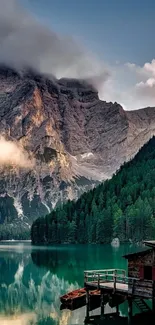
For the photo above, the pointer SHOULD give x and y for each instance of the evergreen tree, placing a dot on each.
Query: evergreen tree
(123, 206)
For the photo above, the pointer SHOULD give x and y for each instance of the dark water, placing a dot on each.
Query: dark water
(33, 278)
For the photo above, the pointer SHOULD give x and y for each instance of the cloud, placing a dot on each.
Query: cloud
(149, 68)
(143, 91)
(146, 88)
(25, 42)
(11, 154)
(130, 65)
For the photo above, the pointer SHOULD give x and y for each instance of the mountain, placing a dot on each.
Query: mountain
(122, 207)
(70, 138)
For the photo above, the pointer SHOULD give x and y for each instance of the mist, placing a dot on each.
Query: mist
(25, 42)
(11, 154)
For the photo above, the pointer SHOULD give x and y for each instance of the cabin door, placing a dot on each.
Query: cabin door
(148, 274)
(153, 273)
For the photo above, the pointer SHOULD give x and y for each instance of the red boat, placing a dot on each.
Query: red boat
(78, 295)
(77, 298)
(95, 293)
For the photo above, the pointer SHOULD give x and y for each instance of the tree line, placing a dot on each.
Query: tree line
(15, 231)
(122, 207)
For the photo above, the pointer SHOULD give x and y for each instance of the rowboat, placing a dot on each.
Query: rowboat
(76, 296)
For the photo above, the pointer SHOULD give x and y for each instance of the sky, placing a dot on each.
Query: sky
(117, 30)
(115, 34)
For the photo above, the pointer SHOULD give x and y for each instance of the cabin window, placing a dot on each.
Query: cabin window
(148, 272)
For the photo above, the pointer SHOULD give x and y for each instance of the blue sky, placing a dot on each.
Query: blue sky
(118, 32)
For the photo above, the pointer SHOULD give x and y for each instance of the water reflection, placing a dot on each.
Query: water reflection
(43, 298)
(30, 294)
(25, 319)
(32, 280)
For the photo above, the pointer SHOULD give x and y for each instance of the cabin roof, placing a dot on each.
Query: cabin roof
(142, 253)
(150, 243)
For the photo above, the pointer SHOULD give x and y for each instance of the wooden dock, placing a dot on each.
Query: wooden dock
(115, 286)
(119, 287)
(116, 281)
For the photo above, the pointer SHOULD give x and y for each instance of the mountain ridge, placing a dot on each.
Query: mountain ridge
(75, 139)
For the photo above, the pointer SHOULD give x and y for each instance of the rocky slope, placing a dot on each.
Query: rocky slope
(73, 139)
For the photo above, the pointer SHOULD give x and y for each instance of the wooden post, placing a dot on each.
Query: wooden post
(117, 309)
(102, 304)
(87, 305)
(115, 279)
(85, 278)
(133, 286)
(130, 309)
(153, 298)
(124, 276)
(98, 281)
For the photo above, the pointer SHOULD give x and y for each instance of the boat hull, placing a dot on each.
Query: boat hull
(74, 296)
(77, 299)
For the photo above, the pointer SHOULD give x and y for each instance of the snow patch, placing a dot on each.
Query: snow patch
(27, 224)
(18, 207)
(47, 207)
(87, 155)
(3, 194)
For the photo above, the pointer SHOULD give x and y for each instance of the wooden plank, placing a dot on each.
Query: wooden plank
(104, 270)
(119, 286)
(122, 287)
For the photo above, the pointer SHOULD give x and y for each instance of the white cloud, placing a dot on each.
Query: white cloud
(146, 89)
(150, 83)
(11, 154)
(149, 68)
(130, 65)
(143, 90)
(25, 42)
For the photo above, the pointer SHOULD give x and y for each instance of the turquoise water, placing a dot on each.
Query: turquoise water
(33, 278)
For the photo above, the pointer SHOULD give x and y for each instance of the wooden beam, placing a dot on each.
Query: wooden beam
(130, 309)
(87, 304)
(102, 304)
(153, 298)
(117, 309)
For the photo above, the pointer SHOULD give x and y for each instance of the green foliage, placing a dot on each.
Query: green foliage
(14, 231)
(123, 206)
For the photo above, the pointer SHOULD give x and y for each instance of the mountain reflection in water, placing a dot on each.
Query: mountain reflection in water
(32, 280)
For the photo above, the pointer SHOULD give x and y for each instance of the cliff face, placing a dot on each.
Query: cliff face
(74, 140)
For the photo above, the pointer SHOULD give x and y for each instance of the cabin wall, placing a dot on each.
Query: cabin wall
(136, 266)
(136, 262)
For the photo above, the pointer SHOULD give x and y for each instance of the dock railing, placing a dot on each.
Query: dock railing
(108, 275)
(118, 276)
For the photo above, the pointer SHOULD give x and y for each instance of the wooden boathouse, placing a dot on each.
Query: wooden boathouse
(137, 285)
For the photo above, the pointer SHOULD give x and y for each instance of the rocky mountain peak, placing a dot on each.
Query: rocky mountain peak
(72, 137)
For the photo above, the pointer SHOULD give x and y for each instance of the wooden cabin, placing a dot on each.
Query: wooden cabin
(141, 271)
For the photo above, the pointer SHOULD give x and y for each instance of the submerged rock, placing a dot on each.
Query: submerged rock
(115, 242)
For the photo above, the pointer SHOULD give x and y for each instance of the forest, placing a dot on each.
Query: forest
(15, 231)
(122, 207)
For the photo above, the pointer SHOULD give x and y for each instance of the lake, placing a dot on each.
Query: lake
(33, 278)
